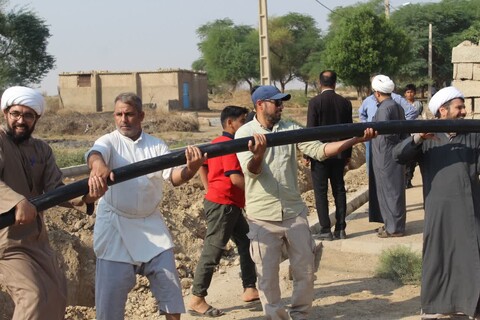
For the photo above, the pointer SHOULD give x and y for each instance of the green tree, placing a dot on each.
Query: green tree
(471, 34)
(364, 42)
(310, 70)
(23, 48)
(199, 65)
(295, 44)
(229, 53)
(452, 22)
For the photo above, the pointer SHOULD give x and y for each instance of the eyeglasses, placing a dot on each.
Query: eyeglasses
(277, 103)
(15, 115)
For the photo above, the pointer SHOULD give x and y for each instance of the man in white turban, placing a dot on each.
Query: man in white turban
(450, 166)
(383, 84)
(369, 107)
(28, 266)
(442, 100)
(21, 123)
(387, 178)
(23, 96)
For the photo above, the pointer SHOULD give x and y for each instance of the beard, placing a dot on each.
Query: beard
(458, 116)
(272, 118)
(18, 138)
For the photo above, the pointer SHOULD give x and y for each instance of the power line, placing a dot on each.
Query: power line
(334, 12)
(324, 6)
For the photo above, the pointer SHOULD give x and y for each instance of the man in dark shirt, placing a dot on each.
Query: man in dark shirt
(329, 108)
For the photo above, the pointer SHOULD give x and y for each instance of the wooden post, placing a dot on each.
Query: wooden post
(430, 73)
(265, 77)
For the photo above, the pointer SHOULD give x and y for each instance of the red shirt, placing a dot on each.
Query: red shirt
(220, 187)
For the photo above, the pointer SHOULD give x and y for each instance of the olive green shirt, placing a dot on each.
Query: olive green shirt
(273, 194)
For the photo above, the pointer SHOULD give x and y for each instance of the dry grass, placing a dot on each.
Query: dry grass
(71, 133)
(63, 123)
(298, 100)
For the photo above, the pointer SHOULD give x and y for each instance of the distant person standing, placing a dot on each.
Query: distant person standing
(410, 92)
(387, 202)
(223, 180)
(369, 107)
(329, 108)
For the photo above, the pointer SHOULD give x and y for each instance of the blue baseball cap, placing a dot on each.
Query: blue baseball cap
(269, 93)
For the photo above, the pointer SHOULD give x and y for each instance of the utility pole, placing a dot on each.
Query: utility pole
(430, 73)
(387, 9)
(264, 47)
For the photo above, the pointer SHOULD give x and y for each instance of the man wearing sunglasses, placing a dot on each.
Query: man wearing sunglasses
(275, 211)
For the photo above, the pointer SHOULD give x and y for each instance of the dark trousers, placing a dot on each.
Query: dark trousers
(223, 222)
(322, 171)
(409, 170)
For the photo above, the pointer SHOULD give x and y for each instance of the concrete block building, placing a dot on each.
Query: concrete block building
(466, 75)
(95, 91)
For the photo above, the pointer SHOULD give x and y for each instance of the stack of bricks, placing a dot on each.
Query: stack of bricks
(466, 75)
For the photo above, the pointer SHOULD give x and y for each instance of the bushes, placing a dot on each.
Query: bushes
(69, 157)
(401, 265)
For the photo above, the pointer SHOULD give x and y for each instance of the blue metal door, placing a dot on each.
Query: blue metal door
(186, 96)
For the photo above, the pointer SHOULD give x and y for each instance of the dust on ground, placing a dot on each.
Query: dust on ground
(340, 288)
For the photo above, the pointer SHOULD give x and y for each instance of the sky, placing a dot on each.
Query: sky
(144, 35)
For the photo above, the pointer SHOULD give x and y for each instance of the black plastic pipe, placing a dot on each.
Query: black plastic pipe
(340, 131)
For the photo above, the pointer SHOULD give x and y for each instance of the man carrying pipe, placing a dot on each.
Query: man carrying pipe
(275, 211)
(128, 217)
(28, 265)
(450, 167)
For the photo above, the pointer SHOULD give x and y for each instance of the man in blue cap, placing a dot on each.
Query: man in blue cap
(275, 211)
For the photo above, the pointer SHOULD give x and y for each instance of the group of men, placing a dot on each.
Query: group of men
(251, 198)
(127, 221)
(449, 164)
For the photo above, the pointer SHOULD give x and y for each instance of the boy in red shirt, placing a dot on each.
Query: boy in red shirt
(224, 201)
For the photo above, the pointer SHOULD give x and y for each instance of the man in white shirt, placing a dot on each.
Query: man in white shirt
(130, 235)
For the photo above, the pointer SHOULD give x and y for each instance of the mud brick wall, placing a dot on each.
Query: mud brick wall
(466, 75)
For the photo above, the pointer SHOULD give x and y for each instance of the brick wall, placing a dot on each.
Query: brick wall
(466, 75)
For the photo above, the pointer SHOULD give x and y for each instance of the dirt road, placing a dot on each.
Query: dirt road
(344, 289)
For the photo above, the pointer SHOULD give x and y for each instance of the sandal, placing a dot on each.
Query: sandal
(210, 313)
(380, 229)
(384, 234)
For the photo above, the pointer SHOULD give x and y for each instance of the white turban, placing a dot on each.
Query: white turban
(383, 84)
(25, 97)
(443, 96)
